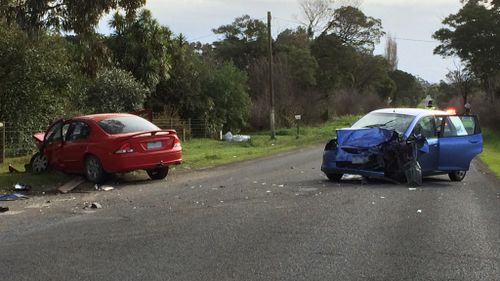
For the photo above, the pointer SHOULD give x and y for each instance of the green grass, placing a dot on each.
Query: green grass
(40, 183)
(200, 153)
(491, 152)
(197, 153)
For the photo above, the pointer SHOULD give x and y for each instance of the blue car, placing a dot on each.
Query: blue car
(404, 144)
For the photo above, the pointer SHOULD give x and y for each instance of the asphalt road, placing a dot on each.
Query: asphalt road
(270, 219)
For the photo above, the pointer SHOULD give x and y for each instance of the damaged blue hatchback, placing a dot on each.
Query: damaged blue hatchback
(404, 144)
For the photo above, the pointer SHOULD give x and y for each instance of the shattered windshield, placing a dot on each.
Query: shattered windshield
(391, 121)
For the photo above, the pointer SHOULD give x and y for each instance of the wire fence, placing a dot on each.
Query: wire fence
(18, 143)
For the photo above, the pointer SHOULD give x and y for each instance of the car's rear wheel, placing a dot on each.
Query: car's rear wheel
(457, 175)
(158, 173)
(94, 171)
(334, 177)
(39, 163)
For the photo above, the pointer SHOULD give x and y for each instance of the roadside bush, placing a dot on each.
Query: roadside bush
(115, 90)
(487, 111)
(350, 102)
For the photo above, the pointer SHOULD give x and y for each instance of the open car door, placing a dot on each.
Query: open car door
(460, 140)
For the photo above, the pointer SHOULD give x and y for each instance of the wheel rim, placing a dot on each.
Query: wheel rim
(93, 168)
(39, 163)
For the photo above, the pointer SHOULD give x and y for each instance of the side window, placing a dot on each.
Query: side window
(54, 134)
(77, 131)
(453, 127)
(426, 127)
(470, 124)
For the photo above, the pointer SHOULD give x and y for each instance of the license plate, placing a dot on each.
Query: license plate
(154, 145)
(360, 160)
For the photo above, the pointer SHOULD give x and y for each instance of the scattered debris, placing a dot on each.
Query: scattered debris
(13, 197)
(373, 203)
(67, 187)
(221, 186)
(419, 211)
(12, 169)
(95, 205)
(236, 138)
(263, 183)
(3, 209)
(22, 187)
(382, 197)
(412, 189)
(281, 185)
(107, 188)
(268, 191)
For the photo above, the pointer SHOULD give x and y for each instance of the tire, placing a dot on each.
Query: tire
(457, 175)
(39, 163)
(158, 173)
(334, 177)
(94, 171)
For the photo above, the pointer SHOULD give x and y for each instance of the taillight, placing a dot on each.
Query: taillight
(177, 143)
(125, 148)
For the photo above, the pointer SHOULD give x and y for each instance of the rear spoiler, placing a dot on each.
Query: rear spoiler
(169, 131)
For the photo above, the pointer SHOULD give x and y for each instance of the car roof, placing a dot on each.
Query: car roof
(102, 116)
(412, 111)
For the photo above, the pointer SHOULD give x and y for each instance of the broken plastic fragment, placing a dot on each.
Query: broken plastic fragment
(107, 188)
(12, 197)
(419, 211)
(412, 189)
(22, 186)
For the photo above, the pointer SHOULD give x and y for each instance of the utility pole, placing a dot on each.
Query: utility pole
(271, 83)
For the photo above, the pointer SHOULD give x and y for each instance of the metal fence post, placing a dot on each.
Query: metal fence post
(2, 142)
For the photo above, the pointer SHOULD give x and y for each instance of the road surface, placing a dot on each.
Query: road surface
(276, 218)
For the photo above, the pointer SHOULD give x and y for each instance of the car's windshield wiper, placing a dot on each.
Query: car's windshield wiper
(379, 125)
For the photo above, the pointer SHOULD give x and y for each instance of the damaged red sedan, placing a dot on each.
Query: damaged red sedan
(95, 145)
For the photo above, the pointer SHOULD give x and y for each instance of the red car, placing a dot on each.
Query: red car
(95, 145)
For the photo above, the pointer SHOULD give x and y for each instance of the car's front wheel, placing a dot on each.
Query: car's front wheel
(39, 163)
(158, 173)
(334, 177)
(94, 170)
(457, 175)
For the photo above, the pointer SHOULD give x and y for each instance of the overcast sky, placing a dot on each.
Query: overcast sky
(404, 19)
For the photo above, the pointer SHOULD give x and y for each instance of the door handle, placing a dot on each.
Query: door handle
(473, 141)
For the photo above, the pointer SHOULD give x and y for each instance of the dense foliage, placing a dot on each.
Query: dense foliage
(142, 64)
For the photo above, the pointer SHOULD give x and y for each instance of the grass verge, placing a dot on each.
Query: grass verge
(491, 152)
(197, 153)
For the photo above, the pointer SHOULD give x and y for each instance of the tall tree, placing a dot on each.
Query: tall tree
(355, 29)
(141, 46)
(79, 16)
(391, 52)
(462, 80)
(243, 41)
(473, 34)
(315, 14)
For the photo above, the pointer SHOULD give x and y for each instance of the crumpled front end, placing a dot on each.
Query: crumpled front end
(372, 152)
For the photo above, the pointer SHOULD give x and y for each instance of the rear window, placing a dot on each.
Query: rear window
(126, 124)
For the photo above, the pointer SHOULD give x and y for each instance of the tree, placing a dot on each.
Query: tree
(115, 90)
(391, 52)
(79, 16)
(473, 34)
(293, 47)
(463, 81)
(141, 46)
(408, 90)
(243, 41)
(182, 92)
(227, 89)
(315, 14)
(37, 78)
(355, 29)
